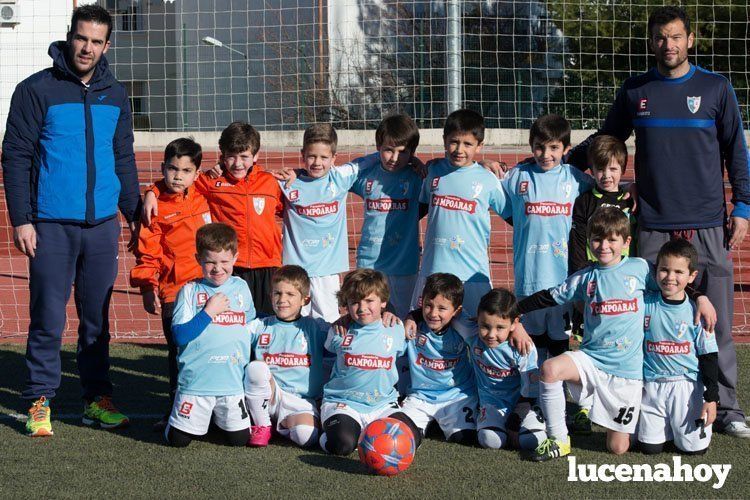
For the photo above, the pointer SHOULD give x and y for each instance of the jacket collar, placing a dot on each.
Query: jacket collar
(101, 78)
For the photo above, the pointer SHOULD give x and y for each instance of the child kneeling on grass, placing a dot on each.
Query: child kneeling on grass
(210, 329)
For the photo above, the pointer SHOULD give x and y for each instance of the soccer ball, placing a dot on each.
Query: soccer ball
(386, 446)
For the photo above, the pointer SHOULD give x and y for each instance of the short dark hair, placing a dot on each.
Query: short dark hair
(320, 132)
(93, 13)
(665, 15)
(679, 247)
(215, 237)
(499, 302)
(465, 121)
(400, 130)
(446, 284)
(603, 149)
(608, 221)
(360, 283)
(550, 128)
(295, 275)
(239, 137)
(184, 146)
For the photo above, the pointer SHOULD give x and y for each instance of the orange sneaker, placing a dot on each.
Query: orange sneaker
(38, 424)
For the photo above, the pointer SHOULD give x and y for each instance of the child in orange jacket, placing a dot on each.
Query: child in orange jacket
(165, 257)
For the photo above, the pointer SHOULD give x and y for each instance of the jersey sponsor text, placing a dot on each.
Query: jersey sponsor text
(614, 307)
(318, 209)
(451, 202)
(547, 208)
(368, 361)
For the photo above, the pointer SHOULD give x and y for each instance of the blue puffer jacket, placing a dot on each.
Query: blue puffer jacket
(68, 149)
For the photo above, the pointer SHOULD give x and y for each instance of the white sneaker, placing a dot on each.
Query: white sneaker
(737, 429)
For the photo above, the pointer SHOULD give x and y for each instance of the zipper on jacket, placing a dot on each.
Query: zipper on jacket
(90, 215)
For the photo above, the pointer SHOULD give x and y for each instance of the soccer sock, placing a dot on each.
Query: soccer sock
(492, 438)
(303, 435)
(552, 400)
(258, 392)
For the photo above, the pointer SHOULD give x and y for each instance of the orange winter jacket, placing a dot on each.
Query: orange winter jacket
(250, 206)
(165, 259)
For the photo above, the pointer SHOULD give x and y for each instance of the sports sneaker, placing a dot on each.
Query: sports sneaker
(549, 449)
(103, 413)
(38, 424)
(581, 423)
(259, 436)
(737, 429)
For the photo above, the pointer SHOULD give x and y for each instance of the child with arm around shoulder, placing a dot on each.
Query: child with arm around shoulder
(285, 382)
(608, 368)
(361, 388)
(210, 330)
(680, 391)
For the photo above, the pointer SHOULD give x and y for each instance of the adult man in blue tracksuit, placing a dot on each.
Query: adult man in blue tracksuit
(688, 128)
(68, 163)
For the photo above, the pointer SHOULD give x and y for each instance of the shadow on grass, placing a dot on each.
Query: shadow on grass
(332, 462)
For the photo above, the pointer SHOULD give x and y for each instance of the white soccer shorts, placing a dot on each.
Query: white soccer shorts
(451, 416)
(286, 404)
(327, 410)
(192, 414)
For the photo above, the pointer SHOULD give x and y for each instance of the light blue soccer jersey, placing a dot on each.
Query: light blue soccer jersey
(315, 235)
(439, 366)
(365, 373)
(293, 351)
(613, 313)
(502, 374)
(213, 364)
(673, 343)
(390, 230)
(458, 224)
(541, 204)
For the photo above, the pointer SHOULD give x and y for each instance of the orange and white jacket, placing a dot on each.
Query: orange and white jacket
(250, 206)
(165, 258)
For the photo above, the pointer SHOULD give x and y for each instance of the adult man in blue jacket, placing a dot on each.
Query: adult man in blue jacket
(688, 129)
(68, 163)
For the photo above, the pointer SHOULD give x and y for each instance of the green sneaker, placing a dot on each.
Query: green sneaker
(581, 423)
(38, 424)
(103, 413)
(549, 449)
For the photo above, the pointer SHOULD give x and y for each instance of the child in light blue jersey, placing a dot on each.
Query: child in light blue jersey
(361, 388)
(285, 381)
(540, 198)
(680, 368)
(608, 368)
(315, 235)
(507, 380)
(209, 325)
(459, 193)
(389, 186)
(442, 381)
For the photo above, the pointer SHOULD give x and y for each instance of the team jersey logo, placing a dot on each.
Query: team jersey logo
(368, 186)
(547, 208)
(614, 307)
(404, 187)
(436, 364)
(456, 242)
(206, 218)
(681, 329)
(347, 340)
(387, 204)
(201, 298)
(451, 202)
(388, 341)
(264, 339)
(694, 103)
(287, 359)
(630, 283)
(643, 104)
(294, 195)
(668, 347)
(591, 288)
(328, 240)
(422, 340)
(476, 189)
(435, 183)
(258, 204)
(240, 300)
(185, 408)
(523, 187)
(367, 361)
(318, 209)
(567, 189)
(646, 322)
(229, 318)
(494, 371)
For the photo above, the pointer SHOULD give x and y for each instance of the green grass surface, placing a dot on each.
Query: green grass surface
(82, 462)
